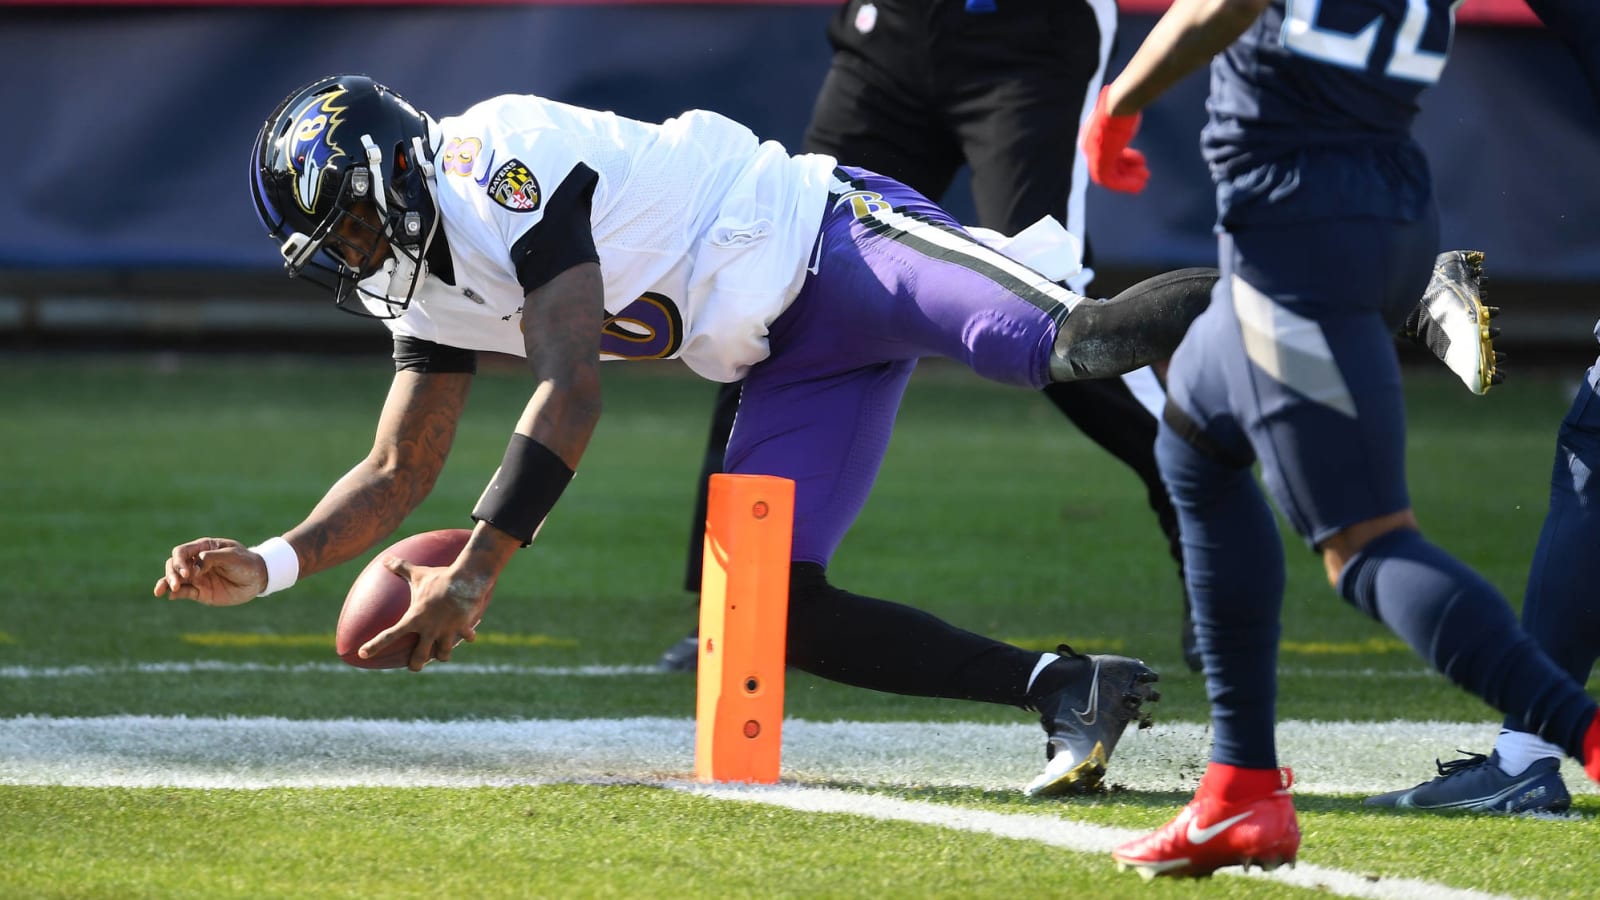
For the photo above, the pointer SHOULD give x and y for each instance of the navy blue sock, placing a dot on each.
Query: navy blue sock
(1461, 625)
(1234, 569)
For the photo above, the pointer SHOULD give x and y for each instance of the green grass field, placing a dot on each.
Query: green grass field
(162, 749)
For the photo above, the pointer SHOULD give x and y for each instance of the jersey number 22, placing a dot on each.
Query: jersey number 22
(1407, 60)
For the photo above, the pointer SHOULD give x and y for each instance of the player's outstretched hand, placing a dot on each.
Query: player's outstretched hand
(213, 571)
(1112, 163)
(445, 610)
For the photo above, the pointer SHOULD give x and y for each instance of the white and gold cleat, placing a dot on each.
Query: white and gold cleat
(1453, 321)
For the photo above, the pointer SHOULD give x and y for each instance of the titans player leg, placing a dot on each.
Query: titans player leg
(1558, 606)
(1293, 365)
(1523, 772)
(1308, 382)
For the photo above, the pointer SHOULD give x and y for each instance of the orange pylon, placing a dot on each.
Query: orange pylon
(744, 615)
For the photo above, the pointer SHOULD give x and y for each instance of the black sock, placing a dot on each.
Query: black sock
(871, 643)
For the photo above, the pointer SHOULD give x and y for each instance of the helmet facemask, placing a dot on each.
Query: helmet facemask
(410, 223)
(330, 257)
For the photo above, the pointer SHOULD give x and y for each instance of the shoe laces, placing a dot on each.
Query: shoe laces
(1457, 766)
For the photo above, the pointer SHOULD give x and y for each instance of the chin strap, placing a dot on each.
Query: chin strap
(410, 249)
(407, 265)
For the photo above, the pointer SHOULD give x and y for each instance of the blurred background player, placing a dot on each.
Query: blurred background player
(1328, 226)
(1561, 605)
(918, 88)
(565, 235)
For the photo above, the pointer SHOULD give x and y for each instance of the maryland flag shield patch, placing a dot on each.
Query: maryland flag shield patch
(514, 187)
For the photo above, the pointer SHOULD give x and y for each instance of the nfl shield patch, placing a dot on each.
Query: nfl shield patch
(514, 187)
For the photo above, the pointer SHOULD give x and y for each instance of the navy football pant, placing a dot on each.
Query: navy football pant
(1561, 609)
(1293, 365)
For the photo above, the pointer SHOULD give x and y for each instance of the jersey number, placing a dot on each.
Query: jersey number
(1354, 51)
(648, 328)
(459, 156)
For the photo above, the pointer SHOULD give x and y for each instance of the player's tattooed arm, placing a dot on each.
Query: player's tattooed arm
(561, 323)
(415, 431)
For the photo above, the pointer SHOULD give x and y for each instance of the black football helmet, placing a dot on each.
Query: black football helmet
(345, 149)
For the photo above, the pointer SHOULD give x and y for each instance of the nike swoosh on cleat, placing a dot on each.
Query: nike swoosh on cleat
(1090, 710)
(1201, 835)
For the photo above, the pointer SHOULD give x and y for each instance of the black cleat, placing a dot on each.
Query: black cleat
(1086, 718)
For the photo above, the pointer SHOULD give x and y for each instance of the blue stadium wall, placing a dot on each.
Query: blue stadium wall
(128, 129)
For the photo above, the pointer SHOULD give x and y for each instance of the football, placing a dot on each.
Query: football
(379, 597)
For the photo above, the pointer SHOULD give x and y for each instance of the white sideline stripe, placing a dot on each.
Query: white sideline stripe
(456, 668)
(148, 751)
(339, 668)
(249, 753)
(1076, 836)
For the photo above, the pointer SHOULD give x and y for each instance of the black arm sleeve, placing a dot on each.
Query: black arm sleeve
(563, 238)
(419, 355)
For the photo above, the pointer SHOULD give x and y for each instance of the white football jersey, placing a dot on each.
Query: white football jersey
(703, 232)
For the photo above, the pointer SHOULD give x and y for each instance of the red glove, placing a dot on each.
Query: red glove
(1112, 163)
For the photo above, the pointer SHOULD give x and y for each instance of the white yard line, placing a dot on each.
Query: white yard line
(227, 667)
(1076, 836)
(1328, 757)
(254, 753)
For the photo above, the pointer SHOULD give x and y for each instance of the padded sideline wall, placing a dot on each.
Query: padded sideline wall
(128, 128)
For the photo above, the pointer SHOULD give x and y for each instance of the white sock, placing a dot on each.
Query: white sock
(1045, 659)
(1518, 750)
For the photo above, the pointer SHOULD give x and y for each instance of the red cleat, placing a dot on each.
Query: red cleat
(1591, 748)
(1238, 817)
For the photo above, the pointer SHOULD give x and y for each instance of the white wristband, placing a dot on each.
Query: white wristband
(283, 564)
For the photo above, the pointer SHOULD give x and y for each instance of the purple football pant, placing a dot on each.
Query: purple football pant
(895, 279)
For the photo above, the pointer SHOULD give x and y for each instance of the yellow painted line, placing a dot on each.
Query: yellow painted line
(498, 639)
(238, 639)
(241, 639)
(1377, 645)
